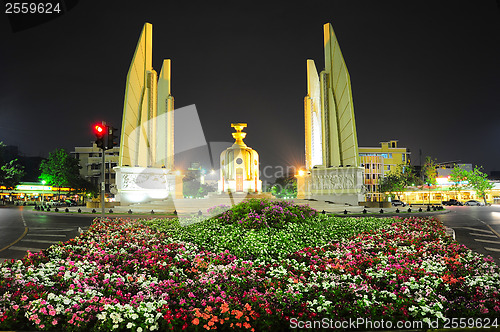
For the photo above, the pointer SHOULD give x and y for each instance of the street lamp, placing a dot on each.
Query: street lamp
(43, 188)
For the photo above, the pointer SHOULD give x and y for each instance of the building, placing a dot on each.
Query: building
(390, 152)
(90, 160)
(377, 161)
(374, 171)
(445, 169)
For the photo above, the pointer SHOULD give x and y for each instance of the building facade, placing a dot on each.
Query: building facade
(90, 160)
(378, 161)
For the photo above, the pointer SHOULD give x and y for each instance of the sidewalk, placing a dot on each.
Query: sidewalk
(188, 207)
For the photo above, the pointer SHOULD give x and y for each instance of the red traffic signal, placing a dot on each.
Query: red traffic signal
(99, 130)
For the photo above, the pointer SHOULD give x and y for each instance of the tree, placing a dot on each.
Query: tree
(429, 171)
(285, 186)
(60, 170)
(398, 179)
(10, 172)
(458, 176)
(479, 182)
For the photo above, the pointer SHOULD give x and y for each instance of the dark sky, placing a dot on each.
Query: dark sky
(426, 73)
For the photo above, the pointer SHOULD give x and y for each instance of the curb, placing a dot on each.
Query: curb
(391, 214)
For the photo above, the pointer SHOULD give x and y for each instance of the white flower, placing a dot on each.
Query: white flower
(130, 325)
(139, 329)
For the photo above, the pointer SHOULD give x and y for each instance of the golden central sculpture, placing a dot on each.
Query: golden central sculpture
(239, 165)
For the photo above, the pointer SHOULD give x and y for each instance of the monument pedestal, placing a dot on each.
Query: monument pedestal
(342, 185)
(141, 184)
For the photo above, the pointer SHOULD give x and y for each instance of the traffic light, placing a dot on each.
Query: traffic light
(112, 137)
(100, 131)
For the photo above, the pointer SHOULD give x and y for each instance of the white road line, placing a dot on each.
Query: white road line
(476, 234)
(487, 241)
(48, 241)
(52, 229)
(477, 229)
(492, 249)
(48, 235)
(22, 217)
(25, 249)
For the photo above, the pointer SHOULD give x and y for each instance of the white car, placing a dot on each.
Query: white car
(474, 202)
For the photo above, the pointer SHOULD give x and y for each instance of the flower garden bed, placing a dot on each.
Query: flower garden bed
(258, 266)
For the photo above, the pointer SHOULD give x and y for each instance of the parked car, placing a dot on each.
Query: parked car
(70, 202)
(56, 203)
(397, 202)
(452, 202)
(474, 202)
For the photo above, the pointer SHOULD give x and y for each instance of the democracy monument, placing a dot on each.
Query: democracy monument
(331, 146)
(146, 170)
(146, 165)
(239, 166)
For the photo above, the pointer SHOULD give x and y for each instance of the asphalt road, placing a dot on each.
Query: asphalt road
(22, 229)
(477, 227)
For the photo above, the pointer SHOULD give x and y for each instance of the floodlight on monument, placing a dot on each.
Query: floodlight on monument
(100, 133)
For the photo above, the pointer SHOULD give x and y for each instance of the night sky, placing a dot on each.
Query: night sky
(426, 73)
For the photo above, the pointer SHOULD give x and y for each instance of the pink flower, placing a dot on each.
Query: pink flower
(54, 322)
(24, 298)
(52, 312)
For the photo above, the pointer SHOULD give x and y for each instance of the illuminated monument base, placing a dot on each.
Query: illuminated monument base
(341, 185)
(140, 184)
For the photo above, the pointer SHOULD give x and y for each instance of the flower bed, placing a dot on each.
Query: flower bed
(154, 275)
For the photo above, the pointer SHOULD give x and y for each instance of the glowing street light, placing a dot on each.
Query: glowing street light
(43, 188)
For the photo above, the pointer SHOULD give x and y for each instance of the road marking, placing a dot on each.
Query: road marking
(53, 229)
(487, 241)
(62, 235)
(477, 229)
(494, 232)
(53, 242)
(25, 249)
(476, 234)
(492, 249)
(19, 239)
(22, 216)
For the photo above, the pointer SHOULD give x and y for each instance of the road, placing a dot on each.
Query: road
(22, 229)
(477, 227)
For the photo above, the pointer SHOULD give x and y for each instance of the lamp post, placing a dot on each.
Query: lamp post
(43, 188)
